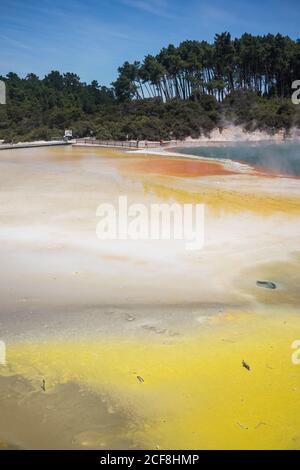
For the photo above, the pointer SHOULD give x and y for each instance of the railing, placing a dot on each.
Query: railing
(22, 145)
(136, 144)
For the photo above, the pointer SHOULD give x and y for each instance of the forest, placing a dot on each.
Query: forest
(182, 91)
(264, 64)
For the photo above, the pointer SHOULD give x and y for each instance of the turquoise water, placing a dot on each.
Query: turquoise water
(283, 158)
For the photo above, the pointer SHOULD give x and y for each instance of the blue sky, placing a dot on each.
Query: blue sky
(94, 37)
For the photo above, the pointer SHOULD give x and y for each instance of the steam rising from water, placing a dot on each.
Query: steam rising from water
(279, 158)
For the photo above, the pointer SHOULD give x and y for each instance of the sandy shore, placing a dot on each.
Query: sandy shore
(112, 326)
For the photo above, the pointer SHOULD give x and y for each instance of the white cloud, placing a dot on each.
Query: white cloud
(154, 7)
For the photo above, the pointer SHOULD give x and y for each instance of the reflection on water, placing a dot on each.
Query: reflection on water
(283, 158)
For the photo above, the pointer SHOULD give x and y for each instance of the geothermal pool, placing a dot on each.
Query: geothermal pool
(279, 158)
(123, 344)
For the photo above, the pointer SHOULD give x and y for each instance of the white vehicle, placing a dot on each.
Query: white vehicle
(68, 134)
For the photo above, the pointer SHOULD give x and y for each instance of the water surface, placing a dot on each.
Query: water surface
(117, 344)
(279, 158)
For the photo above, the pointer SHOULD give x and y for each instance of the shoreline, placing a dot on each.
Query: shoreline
(34, 144)
(228, 134)
(230, 165)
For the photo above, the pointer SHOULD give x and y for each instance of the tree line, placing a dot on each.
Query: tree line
(182, 91)
(265, 64)
(46, 106)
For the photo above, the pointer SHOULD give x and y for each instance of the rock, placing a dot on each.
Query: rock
(130, 318)
(266, 284)
(244, 364)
